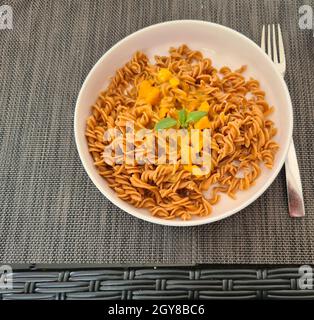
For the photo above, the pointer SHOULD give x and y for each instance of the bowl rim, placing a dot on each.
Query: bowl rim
(208, 219)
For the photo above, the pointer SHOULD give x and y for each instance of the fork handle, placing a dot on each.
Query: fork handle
(294, 186)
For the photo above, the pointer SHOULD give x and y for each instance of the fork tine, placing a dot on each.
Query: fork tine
(282, 58)
(269, 42)
(263, 43)
(275, 56)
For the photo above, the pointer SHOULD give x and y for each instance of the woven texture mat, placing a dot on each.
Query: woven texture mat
(190, 282)
(51, 212)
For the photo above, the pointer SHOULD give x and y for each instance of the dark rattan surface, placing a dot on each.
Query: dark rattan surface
(158, 283)
(50, 211)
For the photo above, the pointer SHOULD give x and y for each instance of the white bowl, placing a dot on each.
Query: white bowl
(225, 47)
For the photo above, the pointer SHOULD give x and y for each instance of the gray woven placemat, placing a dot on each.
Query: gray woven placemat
(49, 209)
(161, 283)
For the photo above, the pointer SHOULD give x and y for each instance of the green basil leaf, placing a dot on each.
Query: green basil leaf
(194, 116)
(182, 117)
(165, 123)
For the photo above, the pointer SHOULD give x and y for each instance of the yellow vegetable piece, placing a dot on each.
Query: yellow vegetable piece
(204, 106)
(164, 75)
(193, 169)
(144, 88)
(203, 123)
(188, 167)
(153, 96)
(174, 82)
(162, 112)
(148, 92)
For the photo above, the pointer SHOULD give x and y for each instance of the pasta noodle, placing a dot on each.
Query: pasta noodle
(236, 113)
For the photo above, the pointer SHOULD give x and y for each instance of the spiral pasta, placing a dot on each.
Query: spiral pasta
(145, 93)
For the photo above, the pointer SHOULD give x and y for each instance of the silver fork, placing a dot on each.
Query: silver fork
(276, 52)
